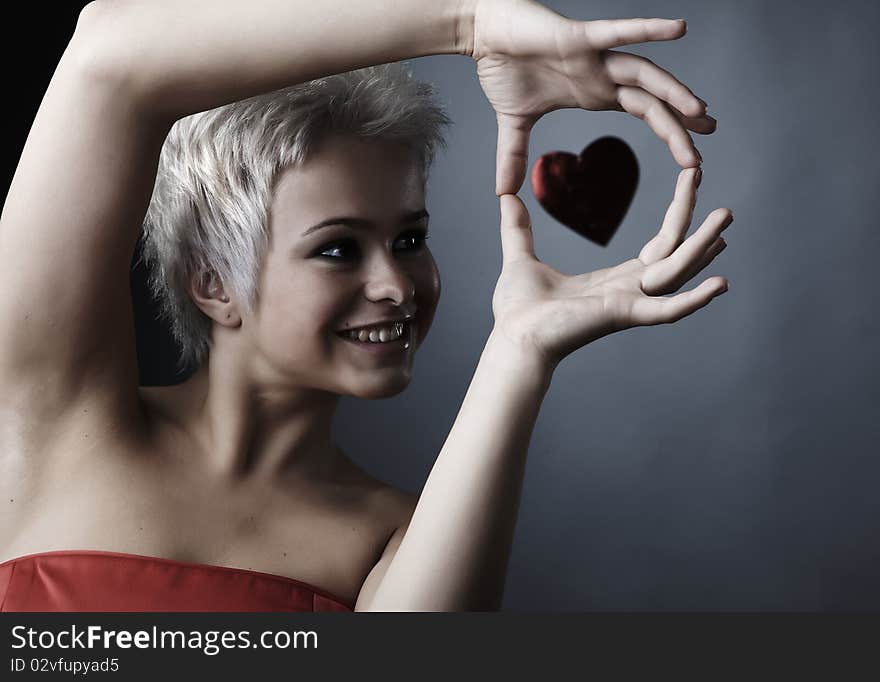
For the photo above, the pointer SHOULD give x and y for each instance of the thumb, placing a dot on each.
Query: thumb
(516, 229)
(513, 152)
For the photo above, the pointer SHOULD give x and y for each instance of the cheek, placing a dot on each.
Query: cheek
(296, 317)
(427, 285)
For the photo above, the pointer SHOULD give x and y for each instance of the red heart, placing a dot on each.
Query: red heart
(589, 193)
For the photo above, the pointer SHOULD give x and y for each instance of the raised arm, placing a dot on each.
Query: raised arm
(453, 555)
(83, 183)
(200, 54)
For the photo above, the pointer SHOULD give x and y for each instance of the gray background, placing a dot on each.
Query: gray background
(727, 461)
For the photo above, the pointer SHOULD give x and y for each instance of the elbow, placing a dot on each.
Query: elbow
(103, 45)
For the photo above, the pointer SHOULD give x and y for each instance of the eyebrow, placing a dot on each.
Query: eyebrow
(405, 219)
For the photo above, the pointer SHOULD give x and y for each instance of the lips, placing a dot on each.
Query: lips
(406, 340)
(378, 325)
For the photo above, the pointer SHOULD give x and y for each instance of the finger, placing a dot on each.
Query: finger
(662, 274)
(677, 219)
(651, 310)
(630, 69)
(702, 125)
(512, 155)
(705, 261)
(607, 33)
(516, 229)
(659, 117)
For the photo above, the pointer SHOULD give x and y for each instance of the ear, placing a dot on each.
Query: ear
(209, 295)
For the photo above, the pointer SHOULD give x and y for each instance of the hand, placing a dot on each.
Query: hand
(544, 313)
(531, 60)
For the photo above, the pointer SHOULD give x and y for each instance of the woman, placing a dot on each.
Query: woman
(287, 288)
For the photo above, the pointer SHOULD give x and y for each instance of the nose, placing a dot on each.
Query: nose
(388, 280)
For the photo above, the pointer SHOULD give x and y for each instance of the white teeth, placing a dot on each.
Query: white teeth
(380, 335)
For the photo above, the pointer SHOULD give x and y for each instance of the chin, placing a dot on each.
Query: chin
(381, 389)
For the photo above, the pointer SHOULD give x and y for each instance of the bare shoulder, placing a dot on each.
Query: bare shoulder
(393, 505)
(400, 504)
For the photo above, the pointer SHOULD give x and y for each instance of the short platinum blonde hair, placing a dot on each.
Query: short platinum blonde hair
(208, 215)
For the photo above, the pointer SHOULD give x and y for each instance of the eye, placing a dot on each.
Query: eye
(347, 249)
(344, 250)
(414, 240)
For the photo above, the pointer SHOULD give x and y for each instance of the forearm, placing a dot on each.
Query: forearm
(454, 555)
(199, 54)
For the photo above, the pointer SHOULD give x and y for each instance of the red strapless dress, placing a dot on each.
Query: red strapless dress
(90, 580)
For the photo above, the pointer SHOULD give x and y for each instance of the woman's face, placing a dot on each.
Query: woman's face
(317, 282)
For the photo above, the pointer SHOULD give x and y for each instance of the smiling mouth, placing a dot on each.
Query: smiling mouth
(400, 336)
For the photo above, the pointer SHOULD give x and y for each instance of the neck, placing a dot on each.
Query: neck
(251, 430)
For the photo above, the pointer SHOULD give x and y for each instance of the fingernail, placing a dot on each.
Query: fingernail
(699, 176)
